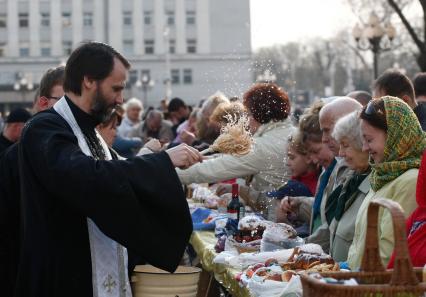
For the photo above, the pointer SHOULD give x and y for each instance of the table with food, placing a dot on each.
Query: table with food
(250, 256)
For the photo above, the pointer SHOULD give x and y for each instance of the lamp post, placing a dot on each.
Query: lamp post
(374, 37)
(266, 77)
(146, 83)
(167, 79)
(22, 84)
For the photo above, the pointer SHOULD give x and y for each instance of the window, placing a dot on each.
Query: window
(128, 47)
(45, 51)
(67, 47)
(133, 77)
(127, 18)
(147, 17)
(149, 46)
(3, 20)
(175, 76)
(146, 73)
(23, 20)
(187, 76)
(45, 19)
(191, 46)
(170, 18)
(24, 52)
(87, 19)
(190, 17)
(66, 19)
(2, 49)
(172, 46)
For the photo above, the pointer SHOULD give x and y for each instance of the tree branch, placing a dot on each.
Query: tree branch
(358, 54)
(416, 39)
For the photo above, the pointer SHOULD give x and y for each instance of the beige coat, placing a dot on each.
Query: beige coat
(266, 161)
(401, 190)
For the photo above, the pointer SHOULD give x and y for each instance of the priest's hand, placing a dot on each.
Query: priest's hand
(184, 156)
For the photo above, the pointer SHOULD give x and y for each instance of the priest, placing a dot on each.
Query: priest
(82, 211)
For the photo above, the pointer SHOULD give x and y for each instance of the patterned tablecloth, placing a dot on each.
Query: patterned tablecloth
(203, 243)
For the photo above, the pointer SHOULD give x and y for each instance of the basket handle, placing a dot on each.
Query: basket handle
(403, 273)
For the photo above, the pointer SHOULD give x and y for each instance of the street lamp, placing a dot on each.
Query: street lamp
(22, 84)
(371, 37)
(167, 80)
(146, 83)
(267, 77)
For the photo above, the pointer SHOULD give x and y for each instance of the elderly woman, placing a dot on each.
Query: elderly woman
(344, 208)
(394, 139)
(268, 110)
(134, 109)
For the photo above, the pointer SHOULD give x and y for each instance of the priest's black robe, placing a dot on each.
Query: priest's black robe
(137, 202)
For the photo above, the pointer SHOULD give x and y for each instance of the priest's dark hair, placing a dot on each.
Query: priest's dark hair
(92, 59)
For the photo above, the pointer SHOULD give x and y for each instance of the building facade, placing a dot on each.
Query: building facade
(184, 48)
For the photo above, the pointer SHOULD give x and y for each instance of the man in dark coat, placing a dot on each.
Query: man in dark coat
(50, 90)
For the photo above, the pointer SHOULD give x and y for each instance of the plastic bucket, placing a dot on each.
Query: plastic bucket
(149, 281)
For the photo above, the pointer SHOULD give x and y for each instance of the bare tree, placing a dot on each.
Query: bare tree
(386, 9)
(420, 41)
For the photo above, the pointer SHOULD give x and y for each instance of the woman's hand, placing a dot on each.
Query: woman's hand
(290, 204)
(153, 144)
(223, 189)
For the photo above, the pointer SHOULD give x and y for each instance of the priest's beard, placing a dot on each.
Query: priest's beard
(100, 108)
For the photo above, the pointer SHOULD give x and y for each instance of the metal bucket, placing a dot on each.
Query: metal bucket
(148, 281)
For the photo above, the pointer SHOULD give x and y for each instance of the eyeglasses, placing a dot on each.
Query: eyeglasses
(53, 97)
(373, 109)
(370, 109)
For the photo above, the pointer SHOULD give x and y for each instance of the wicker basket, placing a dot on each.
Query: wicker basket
(373, 279)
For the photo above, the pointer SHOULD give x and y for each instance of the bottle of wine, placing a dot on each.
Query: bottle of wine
(236, 209)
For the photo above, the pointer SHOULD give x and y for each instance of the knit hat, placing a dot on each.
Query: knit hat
(19, 115)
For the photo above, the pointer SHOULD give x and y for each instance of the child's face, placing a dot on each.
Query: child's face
(298, 163)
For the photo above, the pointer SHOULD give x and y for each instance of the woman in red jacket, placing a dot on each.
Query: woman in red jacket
(416, 223)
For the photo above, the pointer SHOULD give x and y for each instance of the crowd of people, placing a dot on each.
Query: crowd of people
(91, 185)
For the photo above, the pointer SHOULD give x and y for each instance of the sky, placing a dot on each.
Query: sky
(282, 21)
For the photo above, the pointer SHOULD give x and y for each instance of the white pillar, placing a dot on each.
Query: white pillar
(34, 28)
(12, 28)
(138, 27)
(77, 22)
(159, 27)
(115, 24)
(203, 26)
(180, 27)
(56, 28)
(99, 20)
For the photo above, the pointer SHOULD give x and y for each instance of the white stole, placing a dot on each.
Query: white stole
(109, 258)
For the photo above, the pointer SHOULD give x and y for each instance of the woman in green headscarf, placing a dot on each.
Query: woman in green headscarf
(394, 139)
